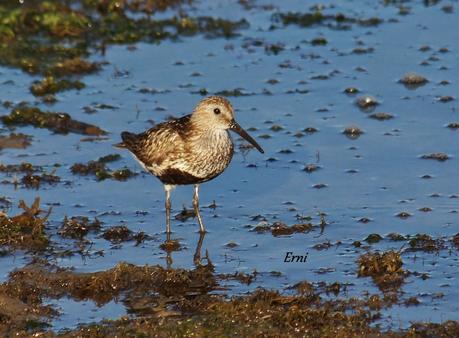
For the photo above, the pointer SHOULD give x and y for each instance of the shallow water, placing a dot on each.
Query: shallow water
(387, 170)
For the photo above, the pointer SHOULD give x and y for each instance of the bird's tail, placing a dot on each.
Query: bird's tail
(129, 139)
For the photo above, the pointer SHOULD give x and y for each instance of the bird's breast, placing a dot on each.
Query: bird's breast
(210, 154)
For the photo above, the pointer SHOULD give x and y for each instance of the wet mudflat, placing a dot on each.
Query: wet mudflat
(355, 105)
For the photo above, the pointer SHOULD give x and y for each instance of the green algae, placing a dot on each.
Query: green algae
(61, 123)
(54, 38)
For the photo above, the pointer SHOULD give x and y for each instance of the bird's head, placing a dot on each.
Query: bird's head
(216, 112)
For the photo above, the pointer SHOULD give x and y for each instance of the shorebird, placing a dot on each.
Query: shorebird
(189, 150)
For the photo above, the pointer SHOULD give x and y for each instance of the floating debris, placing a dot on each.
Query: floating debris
(393, 236)
(351, 90)
(73, 66)
(455, 240)
(352, 132)
(310, 130)
(425, 209)
(60, 123)
(24, 167)
(34, 175)
(234, 92)
(373, 238)
(445, 98)
(185, 214)
(99, 169)
(78, 227)
(338, 21)
(424, 242)
(49, 85)
(436, 156)
(118, 234)
(276, 127)
(309, 168)
(366, 102)
(320, 41)
(319, 186)
(35, 181)
(282, 229)
(171, 245)
(16, 141)
(381, 116)
(413, 80)
(403, 215)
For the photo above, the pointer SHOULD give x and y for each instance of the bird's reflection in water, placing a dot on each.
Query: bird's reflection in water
(171, 245)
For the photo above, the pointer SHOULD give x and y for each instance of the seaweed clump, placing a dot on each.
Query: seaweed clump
(61, 123)
(121, 233)
(424, 242)
(99, 169)
(25, 231)
(16, 141)
(337, 21)
(384, 268)
(49, 85)
(413, 80)
(436, 156)
(33, 177)
(282, 229)
(78, 227)
(178, 302)
(54, 38)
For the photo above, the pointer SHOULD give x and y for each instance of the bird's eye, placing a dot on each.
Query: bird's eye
(217, 111)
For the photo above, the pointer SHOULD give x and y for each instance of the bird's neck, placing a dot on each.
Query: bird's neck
(211, 138)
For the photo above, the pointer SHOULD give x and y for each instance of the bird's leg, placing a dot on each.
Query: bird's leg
(197, 254)
(196, 208)
(168, 189)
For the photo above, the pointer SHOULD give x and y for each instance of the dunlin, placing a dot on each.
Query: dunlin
(189, 150)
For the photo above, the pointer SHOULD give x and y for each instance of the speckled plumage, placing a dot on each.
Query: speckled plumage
(189, 150)
(176, 155)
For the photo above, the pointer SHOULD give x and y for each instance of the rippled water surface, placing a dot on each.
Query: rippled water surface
(288, 83)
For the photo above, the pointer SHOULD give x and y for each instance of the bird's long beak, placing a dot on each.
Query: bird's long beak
(238, 129)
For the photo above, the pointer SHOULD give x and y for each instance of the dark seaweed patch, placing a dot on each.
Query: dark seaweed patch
(17, 141)
(436, 156)
(78, 227)
(384, 268)
(61, 123)
(282, 229)
(99, 169)
(26, 230)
